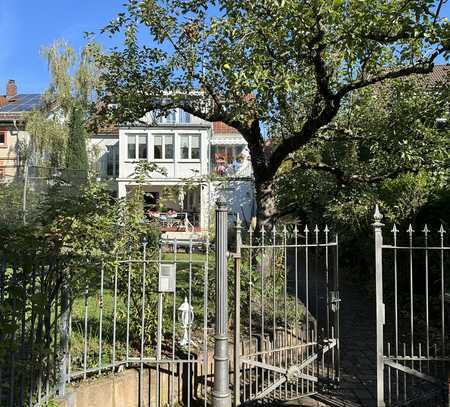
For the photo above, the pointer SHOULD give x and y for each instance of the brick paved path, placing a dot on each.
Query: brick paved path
(358, 362)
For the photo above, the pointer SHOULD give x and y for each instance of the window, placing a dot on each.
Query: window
(112, 160)
(131, 147)
(137, 146)
(163, 147)
(142, 147)
(190, 147)
(195, 147)
(169, 118)
(192, 200)
(174, 116)
(2, 138)
(185, 117)
(184, 146)
(168, 147)
(158, 148)
(225, 158)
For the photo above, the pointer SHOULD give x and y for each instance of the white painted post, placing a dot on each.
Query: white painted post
(379, 304)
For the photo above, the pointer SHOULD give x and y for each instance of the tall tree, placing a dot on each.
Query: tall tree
(59, 128)
(76, 153)
(277, 70)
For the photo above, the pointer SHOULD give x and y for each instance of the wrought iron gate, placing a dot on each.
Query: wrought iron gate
(412, 341)
(286, 325)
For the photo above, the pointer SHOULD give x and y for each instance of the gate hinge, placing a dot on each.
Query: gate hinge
(334, 300)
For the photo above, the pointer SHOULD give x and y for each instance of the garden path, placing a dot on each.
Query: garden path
(358, 356)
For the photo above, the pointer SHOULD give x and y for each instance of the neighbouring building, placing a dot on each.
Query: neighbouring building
(196, 161)
(229, 158)
(13, 106)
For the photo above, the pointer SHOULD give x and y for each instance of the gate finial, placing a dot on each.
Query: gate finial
(377, 216)
(238, 221)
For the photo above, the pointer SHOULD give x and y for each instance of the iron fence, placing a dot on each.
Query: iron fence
(151, 313)
(30, 334)
(412, 335)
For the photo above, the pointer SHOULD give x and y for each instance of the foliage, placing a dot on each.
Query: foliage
(48, 136)
(59, 124)
(274, 70)
(71, 232)
(76, 153)
(385, 148)
(73, 76)
(11, 198)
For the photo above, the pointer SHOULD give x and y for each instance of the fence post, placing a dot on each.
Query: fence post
(64, 339)
(380, 317)
(221, 390)
(237, 314)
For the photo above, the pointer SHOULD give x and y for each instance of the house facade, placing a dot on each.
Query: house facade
(13, 107)
(196, 161)
(229, 161)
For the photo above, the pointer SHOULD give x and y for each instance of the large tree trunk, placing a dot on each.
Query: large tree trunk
(265, 201)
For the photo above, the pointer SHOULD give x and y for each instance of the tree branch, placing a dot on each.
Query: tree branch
(202, 81)
(325, 106)
(420, 68)
(345, 179)
(321, 75)
(438, 9)
(301, 138)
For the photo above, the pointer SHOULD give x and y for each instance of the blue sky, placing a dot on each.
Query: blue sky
(27, 25)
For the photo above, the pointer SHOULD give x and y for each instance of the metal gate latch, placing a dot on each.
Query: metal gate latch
(293, 374)
(334, 300)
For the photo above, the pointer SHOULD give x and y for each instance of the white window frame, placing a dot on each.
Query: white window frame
(163, 136)
(137, 136)
(190, 135)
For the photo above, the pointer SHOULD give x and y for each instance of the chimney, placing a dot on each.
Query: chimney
(11, 88)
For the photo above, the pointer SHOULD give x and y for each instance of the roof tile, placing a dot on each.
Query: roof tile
(222, 128)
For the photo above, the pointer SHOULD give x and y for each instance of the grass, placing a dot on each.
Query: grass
(188, 275)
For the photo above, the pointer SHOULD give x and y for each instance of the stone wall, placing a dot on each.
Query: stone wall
(123, 389)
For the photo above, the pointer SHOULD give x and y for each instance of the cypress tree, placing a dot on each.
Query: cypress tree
(76, 153)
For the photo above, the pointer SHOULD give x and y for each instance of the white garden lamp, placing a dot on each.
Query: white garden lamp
(186, 317)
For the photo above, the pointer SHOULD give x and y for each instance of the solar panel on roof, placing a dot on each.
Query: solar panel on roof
(22, 103)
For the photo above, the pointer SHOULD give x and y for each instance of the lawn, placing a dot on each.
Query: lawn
(190, 279)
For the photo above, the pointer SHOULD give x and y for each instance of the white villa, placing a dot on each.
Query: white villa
(196, 158)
